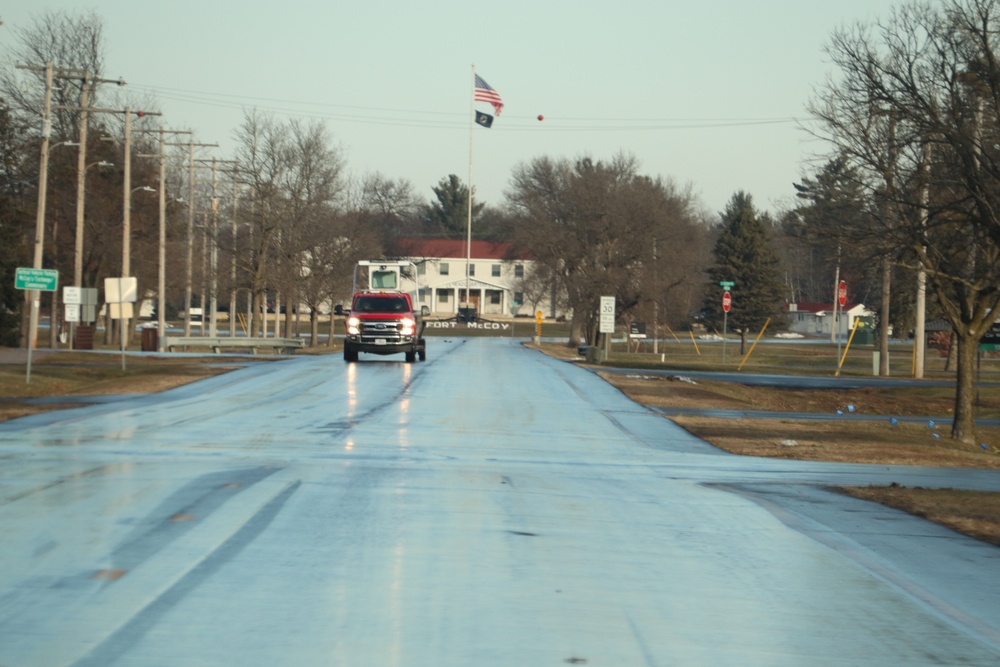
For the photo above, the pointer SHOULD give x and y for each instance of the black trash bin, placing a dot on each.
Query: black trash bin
(150, 338)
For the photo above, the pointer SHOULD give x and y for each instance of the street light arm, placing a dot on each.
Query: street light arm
(62, 143)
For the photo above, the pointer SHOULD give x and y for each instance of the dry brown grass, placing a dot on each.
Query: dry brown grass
(839, 441)
(69, 375)
(974, 513)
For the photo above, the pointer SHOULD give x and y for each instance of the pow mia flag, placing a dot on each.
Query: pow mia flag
(484, 119)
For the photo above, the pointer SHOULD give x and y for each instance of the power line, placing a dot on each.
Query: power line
(402, 117)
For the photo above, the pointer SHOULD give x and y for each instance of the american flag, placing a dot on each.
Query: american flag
(485, 93)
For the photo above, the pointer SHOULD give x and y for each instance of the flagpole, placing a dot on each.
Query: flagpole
(468, 224)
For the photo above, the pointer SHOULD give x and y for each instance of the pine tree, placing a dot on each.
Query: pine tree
(744, 255)
(449, 214)
(15, 219)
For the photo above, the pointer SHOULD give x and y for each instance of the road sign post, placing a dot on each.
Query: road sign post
(727, 303)
(607, 322)
(990, 342)
(35, 281)
(42, 280)
(839, 311)
(120, 294)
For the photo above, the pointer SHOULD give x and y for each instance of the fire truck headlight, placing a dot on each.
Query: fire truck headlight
(353, 326)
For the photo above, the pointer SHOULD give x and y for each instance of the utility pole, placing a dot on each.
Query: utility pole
(213, 294)
(161, 286)
(232, 277)
(126, 192)
(126, 327)
(51, 72)
(81, 174)
(189, 266)
(43, 174)
(213, 327)
(920, 323)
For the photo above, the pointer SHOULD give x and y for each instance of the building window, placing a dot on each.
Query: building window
(495, 270)
(443, 268)
(519, 270)
(422, 269)
(518, 298)
(443, 295)
(472, 269)
(494, 297)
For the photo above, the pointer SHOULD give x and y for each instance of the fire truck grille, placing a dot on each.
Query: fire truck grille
(388, 331)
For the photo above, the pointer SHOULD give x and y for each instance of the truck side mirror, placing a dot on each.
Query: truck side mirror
(338, 309)
(425, 311)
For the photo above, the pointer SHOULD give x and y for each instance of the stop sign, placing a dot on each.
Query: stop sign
(727, 301)
(842, 292)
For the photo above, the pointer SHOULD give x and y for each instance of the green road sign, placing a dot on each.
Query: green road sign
(45, 280)
(990, 342)
(727, 284)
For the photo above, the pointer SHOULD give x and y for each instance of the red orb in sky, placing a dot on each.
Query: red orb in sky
(541, 117)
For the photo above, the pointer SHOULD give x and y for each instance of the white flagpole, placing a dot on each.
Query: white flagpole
(468, 227)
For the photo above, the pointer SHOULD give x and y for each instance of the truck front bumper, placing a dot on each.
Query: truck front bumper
(375, 345)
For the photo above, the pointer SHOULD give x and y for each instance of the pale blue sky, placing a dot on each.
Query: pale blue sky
(689, 88)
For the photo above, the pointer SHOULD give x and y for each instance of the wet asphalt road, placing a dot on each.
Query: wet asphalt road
(490, 506)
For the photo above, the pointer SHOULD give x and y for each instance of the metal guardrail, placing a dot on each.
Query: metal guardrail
(218, 343)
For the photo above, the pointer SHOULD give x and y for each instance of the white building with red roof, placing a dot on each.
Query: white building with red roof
(499, 281)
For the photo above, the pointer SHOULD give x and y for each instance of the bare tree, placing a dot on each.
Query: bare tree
(301, 236)
(593, 225)
(263, 160)
(389, 204)
(916, 108)
(317, 195)
(67, 40)
(383, 211)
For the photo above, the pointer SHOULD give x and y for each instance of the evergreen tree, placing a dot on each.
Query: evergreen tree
(744, 255)
(833, 230)
(448, 215)
(15, 222)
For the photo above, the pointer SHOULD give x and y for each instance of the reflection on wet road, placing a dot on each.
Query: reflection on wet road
(490, 506)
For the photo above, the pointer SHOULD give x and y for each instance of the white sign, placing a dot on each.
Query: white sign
(120, 311)
(72, 312)
(120, 290)
(84, 296)
(607, 314)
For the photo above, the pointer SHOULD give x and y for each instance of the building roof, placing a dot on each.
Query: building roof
(811, 307)
(455, 249)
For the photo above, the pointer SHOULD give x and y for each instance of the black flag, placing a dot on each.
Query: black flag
(484, 119)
